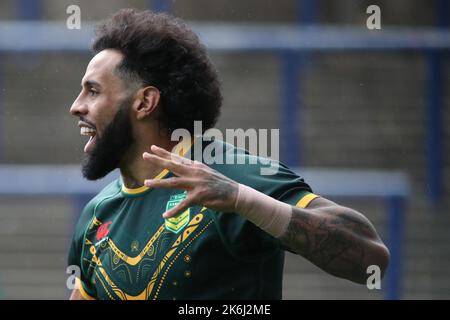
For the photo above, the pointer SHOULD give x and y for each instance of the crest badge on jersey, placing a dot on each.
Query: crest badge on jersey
(176, 224)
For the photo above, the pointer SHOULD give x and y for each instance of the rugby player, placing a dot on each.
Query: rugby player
(172, 227)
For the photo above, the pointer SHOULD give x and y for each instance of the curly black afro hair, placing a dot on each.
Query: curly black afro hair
(161, 51)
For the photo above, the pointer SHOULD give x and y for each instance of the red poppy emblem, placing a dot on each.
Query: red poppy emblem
(103, 230)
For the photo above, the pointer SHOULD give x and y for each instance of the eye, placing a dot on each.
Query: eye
(93, 92)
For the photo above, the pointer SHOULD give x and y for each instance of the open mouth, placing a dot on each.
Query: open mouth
(92, 133)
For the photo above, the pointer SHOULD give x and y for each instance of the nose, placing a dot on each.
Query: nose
(78, 107)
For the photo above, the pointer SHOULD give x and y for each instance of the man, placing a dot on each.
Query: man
(175, 228)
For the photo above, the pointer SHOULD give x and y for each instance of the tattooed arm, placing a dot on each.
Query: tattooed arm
(339, 240)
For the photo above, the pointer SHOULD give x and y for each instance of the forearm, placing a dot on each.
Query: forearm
(269, 214)
(339, 240)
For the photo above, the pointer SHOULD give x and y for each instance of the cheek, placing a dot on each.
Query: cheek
(103, 112)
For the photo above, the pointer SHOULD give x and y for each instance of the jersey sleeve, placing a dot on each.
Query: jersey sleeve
(285, 186)
(243, 237)
(282, 184)
(75, 257)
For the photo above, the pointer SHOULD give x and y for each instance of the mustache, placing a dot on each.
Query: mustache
(88, 122)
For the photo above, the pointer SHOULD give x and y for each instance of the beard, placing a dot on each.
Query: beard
(111, 147)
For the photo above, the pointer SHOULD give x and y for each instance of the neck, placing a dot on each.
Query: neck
(134, 170)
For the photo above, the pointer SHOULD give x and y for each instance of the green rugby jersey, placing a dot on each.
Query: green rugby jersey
(126, 250)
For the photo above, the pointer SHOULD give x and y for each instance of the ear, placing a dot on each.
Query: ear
(147, 101)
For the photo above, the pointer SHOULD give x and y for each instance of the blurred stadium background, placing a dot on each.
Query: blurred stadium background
(363, 116)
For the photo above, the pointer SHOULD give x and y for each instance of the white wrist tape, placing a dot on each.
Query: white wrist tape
(269, 214)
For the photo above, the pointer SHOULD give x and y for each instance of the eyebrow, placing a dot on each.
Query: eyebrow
(91, 83)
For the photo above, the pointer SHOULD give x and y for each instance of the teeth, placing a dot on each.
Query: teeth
(85, 131)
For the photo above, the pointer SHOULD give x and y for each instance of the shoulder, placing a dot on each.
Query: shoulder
(261, 173)
(111, 190)
(107, 192)
(230, 160)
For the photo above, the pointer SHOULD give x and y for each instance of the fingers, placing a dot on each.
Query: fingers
(179, 166)
(160, 151)
(181, 207)
(171, 183)
(163, 153)
(175, 167)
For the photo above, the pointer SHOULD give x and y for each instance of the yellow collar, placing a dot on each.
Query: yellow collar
(181, 149)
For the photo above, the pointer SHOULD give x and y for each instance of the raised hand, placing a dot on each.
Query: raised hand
(204, 186)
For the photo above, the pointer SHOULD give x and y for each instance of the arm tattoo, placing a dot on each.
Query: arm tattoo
(223, 188)
(339, 240)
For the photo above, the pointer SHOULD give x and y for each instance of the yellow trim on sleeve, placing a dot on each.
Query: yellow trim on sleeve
(304, 201)
(83, 292)
(181, 149)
